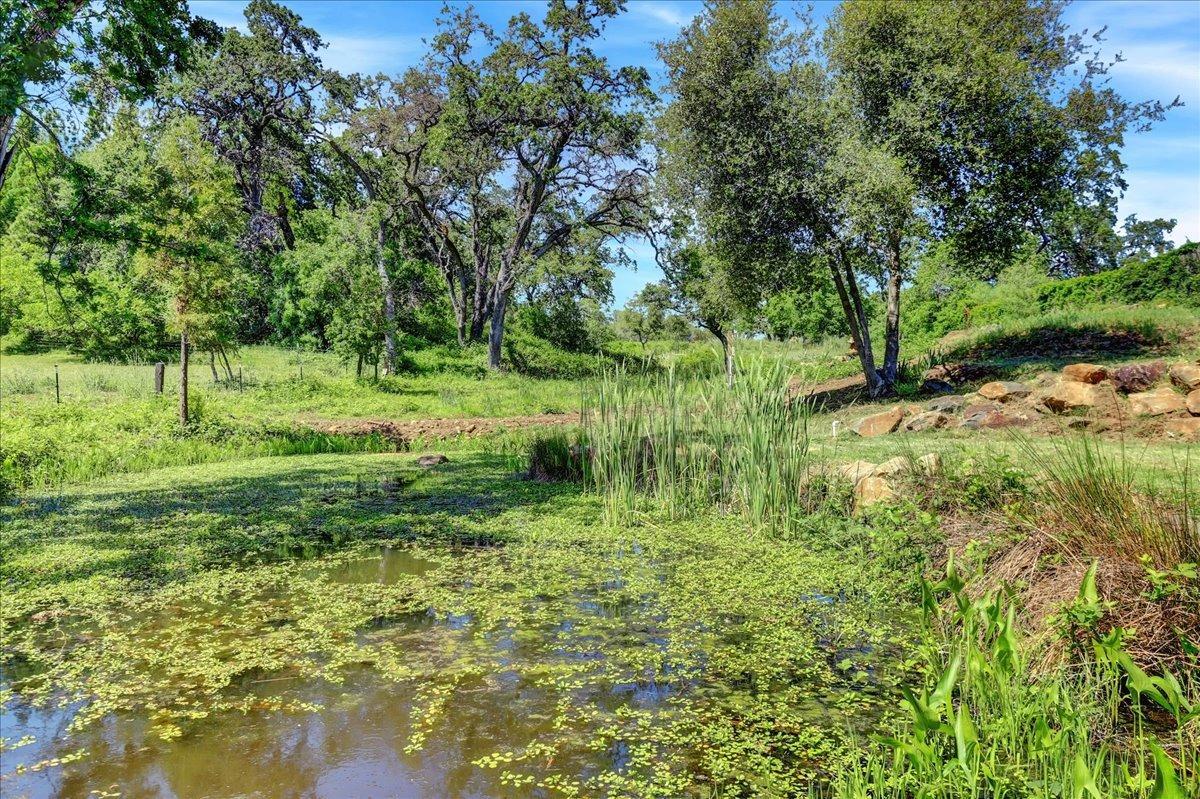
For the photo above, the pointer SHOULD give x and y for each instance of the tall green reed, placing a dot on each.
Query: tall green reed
(686, 446)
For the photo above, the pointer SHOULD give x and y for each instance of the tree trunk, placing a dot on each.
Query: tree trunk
(891, 339)
(727, 351)
(8, 147)
(184, 351)
(389, 304)
(726, 340)
(212, 365)
(856, 320)
(358, 368)
(496, 337)
(225, 363)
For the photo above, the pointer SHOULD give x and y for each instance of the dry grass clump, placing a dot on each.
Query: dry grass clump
(1087, 508)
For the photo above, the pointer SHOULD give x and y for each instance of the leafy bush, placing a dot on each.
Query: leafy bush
(699, 362)
(1172, 277)
(537, 357)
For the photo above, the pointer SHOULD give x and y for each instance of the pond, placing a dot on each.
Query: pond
(663, 660)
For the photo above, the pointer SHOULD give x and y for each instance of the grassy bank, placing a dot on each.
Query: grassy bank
(110, 421)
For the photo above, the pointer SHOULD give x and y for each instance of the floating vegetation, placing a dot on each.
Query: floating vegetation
(663, 659)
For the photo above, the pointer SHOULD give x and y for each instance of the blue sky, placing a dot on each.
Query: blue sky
(1160, 42)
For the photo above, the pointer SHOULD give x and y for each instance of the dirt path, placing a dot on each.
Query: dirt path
(435, 429)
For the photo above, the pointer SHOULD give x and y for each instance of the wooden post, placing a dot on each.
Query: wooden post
(240, 386)
(183, 379)
(160, 373)
(57, 393)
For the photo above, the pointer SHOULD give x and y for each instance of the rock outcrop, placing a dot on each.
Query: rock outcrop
(1004, 390)
(1090, 393)
(1186, 376)
(879, 424)
(1159, 402)
(1084, 373)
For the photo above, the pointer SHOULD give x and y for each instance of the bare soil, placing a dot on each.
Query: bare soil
(407, 431)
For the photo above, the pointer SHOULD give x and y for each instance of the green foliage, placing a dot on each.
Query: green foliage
(1172, 277)
(982, 723)
(810, 314)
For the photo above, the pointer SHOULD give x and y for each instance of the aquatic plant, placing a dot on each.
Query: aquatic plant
(688, 446)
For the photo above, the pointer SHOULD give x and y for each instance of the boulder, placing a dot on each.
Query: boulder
(429, 461)
(976, 411)
(1084, 373)
(1137, 376)
(929, 420)
(879, 424)
(1004, 390)
(997, 419)
(1193, 402)
(1187, 428)
(893, 466)
(1157, 402)
(872, 490)
(930, 463)
(1186, 376)
(855, 470)
(1069, 396)
(948, 404)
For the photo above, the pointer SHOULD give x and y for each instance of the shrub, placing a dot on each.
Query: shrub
(555, 456)
(701, 361)
(536, 357)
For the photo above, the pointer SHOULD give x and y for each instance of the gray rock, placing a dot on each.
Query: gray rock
(429, 461)
(949, 404)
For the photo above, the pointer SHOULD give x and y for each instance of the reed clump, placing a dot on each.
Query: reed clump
(686, 446)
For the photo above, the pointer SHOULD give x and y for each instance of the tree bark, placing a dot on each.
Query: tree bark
(184, 351)
(212, 365)
(496, 336)
(8, 147)
(856, 320)
(225, 362)
(726, 352)
(389, 304)
(891, 340)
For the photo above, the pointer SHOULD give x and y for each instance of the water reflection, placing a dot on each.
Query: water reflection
(360, 742)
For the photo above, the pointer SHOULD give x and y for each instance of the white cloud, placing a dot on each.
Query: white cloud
(673, 15)
(1174, 65)
(371, 54)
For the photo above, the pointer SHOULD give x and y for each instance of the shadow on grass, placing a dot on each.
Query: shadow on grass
(1056, 344)
(264, 511)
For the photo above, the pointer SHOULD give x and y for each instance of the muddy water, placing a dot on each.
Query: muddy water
(371, 735)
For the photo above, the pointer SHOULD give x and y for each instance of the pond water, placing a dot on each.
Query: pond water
(597, 678)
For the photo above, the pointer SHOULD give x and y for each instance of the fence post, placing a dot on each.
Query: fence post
(57, 393)
(160, 371)
(240, 387)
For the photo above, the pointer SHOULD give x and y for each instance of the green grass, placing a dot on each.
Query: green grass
(1106, 333)
(110, 421)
